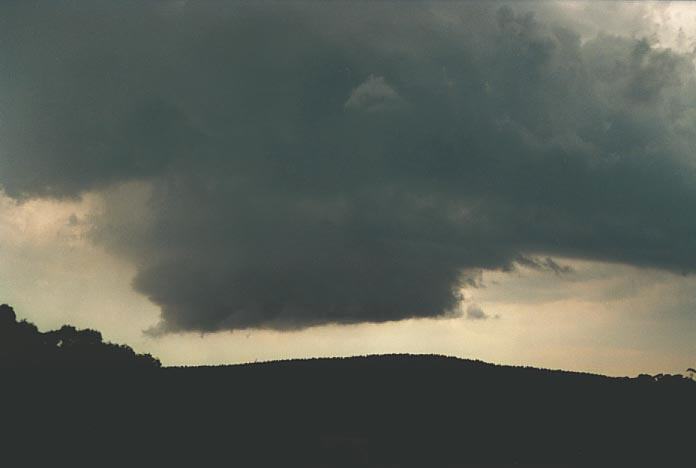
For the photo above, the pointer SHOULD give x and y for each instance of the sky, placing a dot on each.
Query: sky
(219, 182)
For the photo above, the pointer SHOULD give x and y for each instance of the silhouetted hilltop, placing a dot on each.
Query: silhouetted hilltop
(432, 364)
(23, 346)
(373, 411)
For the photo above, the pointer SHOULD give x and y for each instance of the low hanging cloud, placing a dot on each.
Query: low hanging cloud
(544, 264)
(284, 182)
(475, 312)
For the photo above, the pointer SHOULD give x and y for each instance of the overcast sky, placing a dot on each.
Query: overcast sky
(216, 182)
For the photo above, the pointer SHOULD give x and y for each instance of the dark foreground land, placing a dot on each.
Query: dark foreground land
(377, 411)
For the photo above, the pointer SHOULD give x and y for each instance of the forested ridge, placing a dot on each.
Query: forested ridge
(81, 399)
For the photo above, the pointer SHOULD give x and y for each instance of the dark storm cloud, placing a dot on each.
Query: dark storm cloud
(325, 163)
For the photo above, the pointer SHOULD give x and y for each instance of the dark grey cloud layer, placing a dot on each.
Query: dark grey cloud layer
(332, 163)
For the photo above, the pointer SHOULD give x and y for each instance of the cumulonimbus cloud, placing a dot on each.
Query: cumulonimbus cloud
(273, 201)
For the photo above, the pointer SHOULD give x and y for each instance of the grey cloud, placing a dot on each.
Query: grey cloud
(374, 95)
(557, 268)
(475, 312)
(73, 220)
(544, 264)
(271, 201)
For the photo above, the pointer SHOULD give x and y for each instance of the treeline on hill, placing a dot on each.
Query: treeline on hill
(395, 411)
(23, 346)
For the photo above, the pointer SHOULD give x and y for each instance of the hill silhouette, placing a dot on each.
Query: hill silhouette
(91, 402)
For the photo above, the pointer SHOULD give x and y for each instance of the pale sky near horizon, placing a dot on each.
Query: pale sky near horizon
(607, 318)
(453, 178)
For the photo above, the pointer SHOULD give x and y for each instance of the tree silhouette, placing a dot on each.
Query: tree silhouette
(22, 345)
